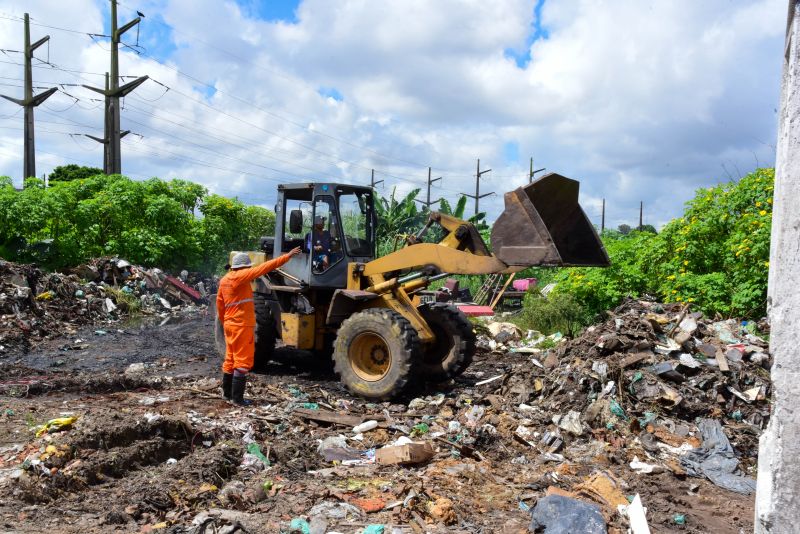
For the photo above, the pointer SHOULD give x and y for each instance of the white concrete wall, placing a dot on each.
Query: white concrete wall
(778, 492)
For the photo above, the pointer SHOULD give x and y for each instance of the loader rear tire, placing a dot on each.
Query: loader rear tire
(374, 353)
(265, 332)
(454, 348)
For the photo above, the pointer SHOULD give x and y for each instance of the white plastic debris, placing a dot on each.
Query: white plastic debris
(109, 306)
(601, 368)
(636, 514)
(571, 423)
(688, 325)
(645, 468)
(366, 426)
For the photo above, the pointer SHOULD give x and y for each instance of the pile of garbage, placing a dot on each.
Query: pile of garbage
(35, 305)
(646, 422)
(679, 393)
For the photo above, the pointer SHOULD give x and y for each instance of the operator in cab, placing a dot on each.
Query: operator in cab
(236, 310)
(318, 242)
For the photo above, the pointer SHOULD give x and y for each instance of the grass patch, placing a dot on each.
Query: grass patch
(127, 302)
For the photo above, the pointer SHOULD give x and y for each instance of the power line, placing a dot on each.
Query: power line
(217, 153)
(30, 101)
(268, 112)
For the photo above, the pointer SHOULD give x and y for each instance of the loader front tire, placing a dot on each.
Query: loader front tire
(452, 351)
(374, 353)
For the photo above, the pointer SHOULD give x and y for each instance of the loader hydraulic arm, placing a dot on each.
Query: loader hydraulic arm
(542, 224)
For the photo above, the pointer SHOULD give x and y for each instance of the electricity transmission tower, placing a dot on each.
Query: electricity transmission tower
(533, 172)
(112, 158)
(477, 196)
(427, 202)
(30, 101)
(372, 182)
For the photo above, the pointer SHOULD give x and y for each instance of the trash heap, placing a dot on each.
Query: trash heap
(35, 305)
(677, 393)
(646, 422)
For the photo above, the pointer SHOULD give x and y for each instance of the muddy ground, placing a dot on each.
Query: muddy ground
(155, 449)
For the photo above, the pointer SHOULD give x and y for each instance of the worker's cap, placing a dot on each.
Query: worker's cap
(319, 219)
(241, 260)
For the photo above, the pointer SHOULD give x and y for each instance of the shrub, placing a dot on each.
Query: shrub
(558, 312)
(715, 257)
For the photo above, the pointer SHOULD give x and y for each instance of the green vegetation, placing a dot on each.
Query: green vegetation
(67, 173)
(561, 312)
(171, 224)
(399, 218)
(715, 257)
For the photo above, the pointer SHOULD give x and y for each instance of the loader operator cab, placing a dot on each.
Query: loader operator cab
(332, 224)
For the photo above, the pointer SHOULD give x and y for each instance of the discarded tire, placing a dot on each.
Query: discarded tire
(452, 351)
(374, 353)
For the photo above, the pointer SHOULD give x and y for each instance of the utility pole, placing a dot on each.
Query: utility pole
(113, 155)
(641, 208)
(532, 172)
(30, 101)
(104, 140)
(477, 196)
(372, 182)
(603, 217)
(428, 201)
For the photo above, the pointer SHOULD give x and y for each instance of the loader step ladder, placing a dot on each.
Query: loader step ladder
(489, 288)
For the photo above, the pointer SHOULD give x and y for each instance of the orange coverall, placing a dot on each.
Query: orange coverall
(236, 310)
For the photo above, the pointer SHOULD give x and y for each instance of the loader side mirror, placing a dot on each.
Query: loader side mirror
(296, 221)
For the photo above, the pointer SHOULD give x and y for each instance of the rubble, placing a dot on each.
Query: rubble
(620, 428)
(35, 305)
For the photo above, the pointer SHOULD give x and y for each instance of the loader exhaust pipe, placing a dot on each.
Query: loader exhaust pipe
(543, 224)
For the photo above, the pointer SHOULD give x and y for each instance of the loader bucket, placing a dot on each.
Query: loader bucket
(543, 224)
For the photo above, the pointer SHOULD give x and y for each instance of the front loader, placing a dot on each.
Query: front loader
(339, 300)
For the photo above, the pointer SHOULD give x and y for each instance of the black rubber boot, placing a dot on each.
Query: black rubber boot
(227, 383)
(237, 391)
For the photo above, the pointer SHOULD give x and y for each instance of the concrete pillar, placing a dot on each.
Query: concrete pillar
(778, 489)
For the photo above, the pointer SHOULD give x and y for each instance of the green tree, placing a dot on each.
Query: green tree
(150, 222)
(397, 217)
(715, 257)
(67, 173)
(649, 228)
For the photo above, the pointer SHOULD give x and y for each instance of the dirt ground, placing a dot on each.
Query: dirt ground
(155, 449)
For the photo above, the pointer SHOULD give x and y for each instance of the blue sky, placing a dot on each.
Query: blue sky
(271, 10)
(522, 55)
(329, 90)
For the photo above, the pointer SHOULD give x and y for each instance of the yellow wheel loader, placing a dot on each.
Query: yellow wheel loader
(339, 300)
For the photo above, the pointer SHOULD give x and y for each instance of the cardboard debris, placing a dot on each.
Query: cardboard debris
(410, 453)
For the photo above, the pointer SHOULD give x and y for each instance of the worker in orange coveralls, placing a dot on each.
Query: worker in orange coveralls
(236, 310)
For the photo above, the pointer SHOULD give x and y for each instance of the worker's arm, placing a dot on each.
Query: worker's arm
(220, 306)
(251, 273)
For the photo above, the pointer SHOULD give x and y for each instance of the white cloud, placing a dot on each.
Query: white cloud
(639, 100)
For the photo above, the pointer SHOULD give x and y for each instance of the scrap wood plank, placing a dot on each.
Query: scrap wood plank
(333, 417)
(722, 361)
